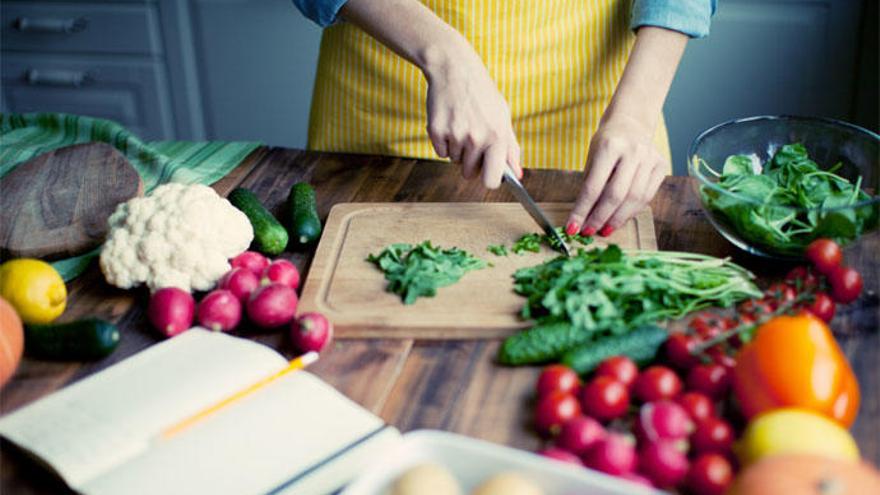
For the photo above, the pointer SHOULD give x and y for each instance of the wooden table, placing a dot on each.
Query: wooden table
(449, 385)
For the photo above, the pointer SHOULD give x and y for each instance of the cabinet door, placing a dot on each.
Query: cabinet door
(257, 63)
(793, 57)
(131, 93)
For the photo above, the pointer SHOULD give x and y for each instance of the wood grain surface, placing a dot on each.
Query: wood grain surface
(56, 204)
(417, 383)
(351, 291)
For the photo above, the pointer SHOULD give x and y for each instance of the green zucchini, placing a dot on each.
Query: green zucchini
(540, 344)
(302, 211)
(269, 235)
(87, 339)
(640, 345)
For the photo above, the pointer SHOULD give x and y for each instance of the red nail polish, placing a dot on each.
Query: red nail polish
(571, 228)
(606, 231)
(588, 231)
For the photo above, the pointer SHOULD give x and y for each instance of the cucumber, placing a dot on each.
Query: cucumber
(640, 345)
(302, 211)
(87, 339)
(540, 344)
(269, 235)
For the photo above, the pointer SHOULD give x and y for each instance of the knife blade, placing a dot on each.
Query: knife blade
(517, 189)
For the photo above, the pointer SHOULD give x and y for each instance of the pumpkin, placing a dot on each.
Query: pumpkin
(11, 341)
(804, 474)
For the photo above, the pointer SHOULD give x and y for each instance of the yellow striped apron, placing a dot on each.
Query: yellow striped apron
(557, 62)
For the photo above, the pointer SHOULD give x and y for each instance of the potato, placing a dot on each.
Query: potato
(508, 483)
(426, 479)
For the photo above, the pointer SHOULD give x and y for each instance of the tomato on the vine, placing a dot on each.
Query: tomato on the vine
(707, 325)
(605, 398)
(554, 409)
(781, 293)
(720, 356)
(621, 368)
(678, 348)
(846, 284)
(825, 255)
(657, 383)
(802, 278)
(822, 306)
(557, 377)
(710, 379)
(755, 308)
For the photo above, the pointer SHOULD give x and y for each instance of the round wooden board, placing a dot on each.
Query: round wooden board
(56, 204)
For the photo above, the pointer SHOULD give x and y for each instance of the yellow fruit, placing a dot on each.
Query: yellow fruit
(795, 431)
(34, 289)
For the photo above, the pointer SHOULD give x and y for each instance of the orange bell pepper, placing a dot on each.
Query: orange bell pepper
(794, 361)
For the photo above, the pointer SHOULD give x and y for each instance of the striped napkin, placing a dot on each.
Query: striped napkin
(23, 136)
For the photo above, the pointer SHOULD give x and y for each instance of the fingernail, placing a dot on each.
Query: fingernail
(606, 231)
(571, 228)
(588, 231)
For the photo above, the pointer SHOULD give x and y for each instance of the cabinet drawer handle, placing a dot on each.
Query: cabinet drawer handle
(50, 24)
(70, 78)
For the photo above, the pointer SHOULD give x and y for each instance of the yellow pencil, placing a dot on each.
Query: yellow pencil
(296, 364)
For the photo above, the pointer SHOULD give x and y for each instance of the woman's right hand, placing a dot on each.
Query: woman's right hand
(469, 120)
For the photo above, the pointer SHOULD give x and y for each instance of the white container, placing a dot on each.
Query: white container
(471, 461)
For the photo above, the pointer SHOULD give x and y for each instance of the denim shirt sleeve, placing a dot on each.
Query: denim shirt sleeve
(691, 17)
(322, 12)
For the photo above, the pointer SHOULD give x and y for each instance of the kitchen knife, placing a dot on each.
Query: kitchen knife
(516, 187)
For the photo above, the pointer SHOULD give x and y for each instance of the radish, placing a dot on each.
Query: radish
(241, 282)
(663, 420)
(311, 332)
(283, 272)
(220, 311)
(637, 479)
(251, 260)
(614, 454)
(561, 455)
(171, 310)
(579, 434)
(664, 462)
(272, 305)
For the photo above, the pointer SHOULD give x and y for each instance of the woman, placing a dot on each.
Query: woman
(566, 84)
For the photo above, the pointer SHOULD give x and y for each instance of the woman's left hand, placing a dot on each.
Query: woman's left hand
(624, 172)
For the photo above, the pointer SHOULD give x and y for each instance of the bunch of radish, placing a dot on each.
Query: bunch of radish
(264, 290)
(647, 426)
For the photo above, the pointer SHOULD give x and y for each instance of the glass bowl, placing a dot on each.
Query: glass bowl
(767, 224)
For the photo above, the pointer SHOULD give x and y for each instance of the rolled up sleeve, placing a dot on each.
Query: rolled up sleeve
(322, 12)
(691, 17)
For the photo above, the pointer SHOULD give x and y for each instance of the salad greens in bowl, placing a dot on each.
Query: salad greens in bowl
(771, 185)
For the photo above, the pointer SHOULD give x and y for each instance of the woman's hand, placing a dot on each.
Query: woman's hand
(624, 171)
(468, 119)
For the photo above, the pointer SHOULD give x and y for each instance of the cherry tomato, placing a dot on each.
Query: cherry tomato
(846, 284)
(698, 406)
(712, 435)
(678, 349)
(781, 293)
(822, 306)
(605, 398)
(710, 379)
(825, 255)
(720, 356)
(656, 383)
(554, 409)
(555, 378)
(802, 278)
(621, 368)
(710, 474)
(707, 325)
(755, 308)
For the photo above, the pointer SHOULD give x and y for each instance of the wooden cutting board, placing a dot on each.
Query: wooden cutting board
(351, 291)
(56, 204)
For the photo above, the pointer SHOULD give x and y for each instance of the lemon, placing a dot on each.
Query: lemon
(34, 289)
(795, 431)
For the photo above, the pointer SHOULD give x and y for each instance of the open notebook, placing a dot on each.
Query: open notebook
(103, 435)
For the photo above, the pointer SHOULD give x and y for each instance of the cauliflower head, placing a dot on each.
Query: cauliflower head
(179, 236)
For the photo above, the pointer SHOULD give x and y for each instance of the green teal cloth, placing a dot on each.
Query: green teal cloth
(23, 136)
